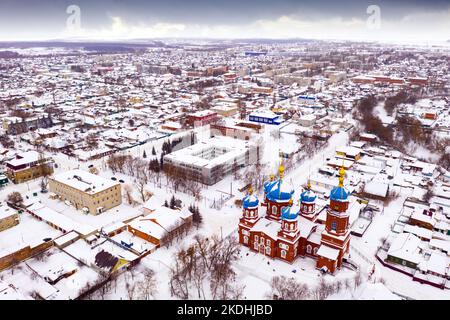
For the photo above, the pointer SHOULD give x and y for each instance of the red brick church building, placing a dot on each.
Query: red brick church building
(289, 230)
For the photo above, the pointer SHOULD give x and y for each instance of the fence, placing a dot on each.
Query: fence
(392, 267)
(414, 278)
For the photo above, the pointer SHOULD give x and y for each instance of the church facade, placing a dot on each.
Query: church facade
(287, 231)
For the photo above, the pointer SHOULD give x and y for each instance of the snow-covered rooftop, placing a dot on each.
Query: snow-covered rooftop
(85, 181)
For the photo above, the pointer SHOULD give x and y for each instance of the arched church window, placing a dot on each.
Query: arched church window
(245, 239)
(333, 225)
(308, 248)
(274, 210)
(283, 254)
(315, 251)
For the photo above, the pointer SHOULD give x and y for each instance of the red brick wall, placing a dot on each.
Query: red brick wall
(324, 262)
(279, 206)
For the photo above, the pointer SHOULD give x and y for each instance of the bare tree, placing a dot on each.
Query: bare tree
(15, 198)
(42, 257)
(338, 286)
(143, 192)
(222, 254)
(102, 284)
(321, 291)
(44, 183)
(6, 141)
(357, 279)
(283, 288)
(347, 284)
(179, 285)
(91, 141)
(129, 194)
(207, 260)
(131, 290)
(86, 290)
(147, 287)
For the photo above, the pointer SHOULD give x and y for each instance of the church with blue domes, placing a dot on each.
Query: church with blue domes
(289, 229)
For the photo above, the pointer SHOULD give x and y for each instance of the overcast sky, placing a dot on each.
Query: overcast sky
(402, 21)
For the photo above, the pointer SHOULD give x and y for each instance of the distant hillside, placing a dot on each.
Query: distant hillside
(74, 44)
(8, 54)
(92, 47)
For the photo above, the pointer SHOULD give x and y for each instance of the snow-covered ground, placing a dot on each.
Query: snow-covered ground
(253, 271)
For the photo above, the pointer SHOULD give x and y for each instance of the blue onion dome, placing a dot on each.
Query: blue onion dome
(308, 195)
(280, 191)
(288, 213)
(340, 193)
(250, 201)
(269, 184)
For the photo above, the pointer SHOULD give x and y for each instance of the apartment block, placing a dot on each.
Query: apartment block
(85, 191)
(28, 166)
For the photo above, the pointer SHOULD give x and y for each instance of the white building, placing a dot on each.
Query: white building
(209, 161)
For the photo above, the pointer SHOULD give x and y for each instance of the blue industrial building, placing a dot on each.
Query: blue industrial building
(266, 117)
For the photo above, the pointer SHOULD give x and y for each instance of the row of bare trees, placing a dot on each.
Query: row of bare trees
(179, 180)
(204, 270)
(180, 231)
(145, 171)
(126, 164)
(408, 130)
(139, 169)
(254, 174)
(364, 112)
(391, 103)
(284, 288)
(144, 289)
